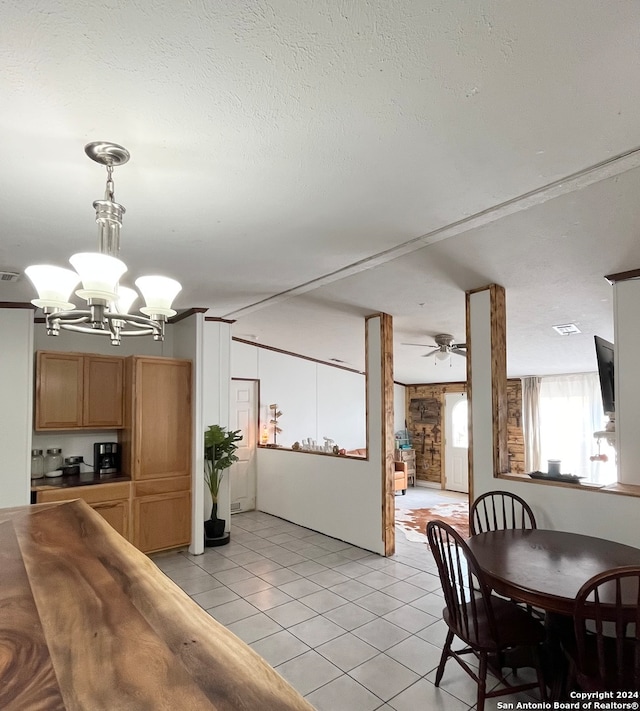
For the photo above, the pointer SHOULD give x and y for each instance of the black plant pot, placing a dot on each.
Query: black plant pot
(214, 527)
(214, 534)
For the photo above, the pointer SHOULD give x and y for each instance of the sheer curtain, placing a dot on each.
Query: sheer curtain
(570, 411)
(531, 424)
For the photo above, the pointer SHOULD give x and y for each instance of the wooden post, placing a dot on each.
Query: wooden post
(379, 359)
(486, 339)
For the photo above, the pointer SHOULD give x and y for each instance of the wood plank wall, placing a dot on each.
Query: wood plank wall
(427, 436)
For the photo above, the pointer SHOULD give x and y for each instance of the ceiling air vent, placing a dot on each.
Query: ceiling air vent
(7, 277)
(566, 329)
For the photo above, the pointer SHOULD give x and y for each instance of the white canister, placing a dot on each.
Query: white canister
(37, 464)
(53, 462)
(553, 466)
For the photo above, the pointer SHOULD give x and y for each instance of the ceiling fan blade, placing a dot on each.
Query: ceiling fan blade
(459, 351)
(422, 345)
(435, 350)
(458, 345)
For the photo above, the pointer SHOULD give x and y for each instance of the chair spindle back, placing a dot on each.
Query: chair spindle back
(499, 511)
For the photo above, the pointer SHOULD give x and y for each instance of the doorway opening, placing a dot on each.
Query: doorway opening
(456, 442)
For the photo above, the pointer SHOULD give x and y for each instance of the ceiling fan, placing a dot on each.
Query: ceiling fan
(443, 347)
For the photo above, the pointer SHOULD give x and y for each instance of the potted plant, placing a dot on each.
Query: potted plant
(219, 448)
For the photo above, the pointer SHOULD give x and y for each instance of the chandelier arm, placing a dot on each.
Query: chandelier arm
(132, 319)
(71, 320)
(84, 329)
(106, 332)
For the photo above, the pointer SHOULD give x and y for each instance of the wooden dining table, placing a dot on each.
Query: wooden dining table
(546, 568)
(87, 622)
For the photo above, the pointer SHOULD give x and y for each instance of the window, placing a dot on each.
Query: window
(570, 412)
(460, 424)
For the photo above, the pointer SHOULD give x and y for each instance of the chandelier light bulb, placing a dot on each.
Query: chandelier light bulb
(124, 300)
(53, 284)
(158, 293)
(99, 273)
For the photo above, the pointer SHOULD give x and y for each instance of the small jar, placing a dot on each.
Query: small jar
(37, 464)
(53, 462)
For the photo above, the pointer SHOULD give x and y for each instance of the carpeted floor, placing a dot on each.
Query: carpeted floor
(413, 522)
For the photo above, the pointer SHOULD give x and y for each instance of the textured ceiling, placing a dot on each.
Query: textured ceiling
(282, 144)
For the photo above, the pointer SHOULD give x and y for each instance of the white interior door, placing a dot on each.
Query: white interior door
(244, 417)
(456, 448)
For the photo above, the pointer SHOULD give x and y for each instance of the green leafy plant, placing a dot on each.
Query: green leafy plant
(219, 454)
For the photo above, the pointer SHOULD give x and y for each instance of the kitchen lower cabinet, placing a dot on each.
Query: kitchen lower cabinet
(161, 512)
(111, 501)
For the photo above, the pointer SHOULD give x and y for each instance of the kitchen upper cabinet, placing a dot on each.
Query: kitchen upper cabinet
(156, 440)
(78, 391)
(103, 403)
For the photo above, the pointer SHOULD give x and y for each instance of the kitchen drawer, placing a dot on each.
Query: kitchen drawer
(161, 486)
(111, 501)
(92, 493)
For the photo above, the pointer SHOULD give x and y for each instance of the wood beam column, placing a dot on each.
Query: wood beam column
(486, 336)
(380, 435)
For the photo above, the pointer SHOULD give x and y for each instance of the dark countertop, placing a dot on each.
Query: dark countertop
(82, 479)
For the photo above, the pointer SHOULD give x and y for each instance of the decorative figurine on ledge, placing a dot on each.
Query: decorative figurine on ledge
(275, 414)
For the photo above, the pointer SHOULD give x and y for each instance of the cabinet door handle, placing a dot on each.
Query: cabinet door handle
(106, 506)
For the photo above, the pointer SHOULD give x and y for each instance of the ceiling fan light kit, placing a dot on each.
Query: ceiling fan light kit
(443, 347)
(109, 302)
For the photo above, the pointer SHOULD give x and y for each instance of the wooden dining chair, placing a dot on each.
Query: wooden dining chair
(495, 630)
(500, 510)
(605, 654)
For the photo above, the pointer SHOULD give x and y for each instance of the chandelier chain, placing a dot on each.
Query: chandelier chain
(110, 187)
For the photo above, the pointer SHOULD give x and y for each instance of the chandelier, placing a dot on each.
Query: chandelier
(107, 300)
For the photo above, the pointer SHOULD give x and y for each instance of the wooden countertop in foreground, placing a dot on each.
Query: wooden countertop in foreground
(89, 623)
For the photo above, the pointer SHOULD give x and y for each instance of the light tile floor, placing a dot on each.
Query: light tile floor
(350, 630)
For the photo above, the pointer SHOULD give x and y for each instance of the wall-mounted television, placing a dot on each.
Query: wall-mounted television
(604, 356)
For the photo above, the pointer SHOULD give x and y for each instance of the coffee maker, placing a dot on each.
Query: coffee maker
(106, 458)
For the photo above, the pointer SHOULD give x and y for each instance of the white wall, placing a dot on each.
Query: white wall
(188, 342)
(16, 410)
(74, 443)
(338, 497)
(627, 382)
(216, 384)
(316, 400)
